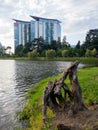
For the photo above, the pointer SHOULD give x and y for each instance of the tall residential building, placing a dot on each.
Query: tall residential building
(48, 29)
(22, 32)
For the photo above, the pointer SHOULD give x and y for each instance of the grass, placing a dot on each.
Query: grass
(88, 79)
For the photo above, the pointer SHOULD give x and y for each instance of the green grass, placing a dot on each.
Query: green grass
(88, 79)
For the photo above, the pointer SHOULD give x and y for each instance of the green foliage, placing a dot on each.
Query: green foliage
(64, 42)
(47, 126)
(59, 53)
(54, 45)
(38, 44)
(65, 53)
(32, 54)
(50, 53)
(92, 53)
(88, 53)
(78, 45)
(19, 50)
(91, 40)
(27, 47)
(2, 51)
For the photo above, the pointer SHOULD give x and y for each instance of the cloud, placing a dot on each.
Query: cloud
(77, 16)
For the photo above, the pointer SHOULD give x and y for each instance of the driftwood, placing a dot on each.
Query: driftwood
(56, 99)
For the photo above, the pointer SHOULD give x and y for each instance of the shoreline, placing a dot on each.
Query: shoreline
(85, 60)
(88, 78)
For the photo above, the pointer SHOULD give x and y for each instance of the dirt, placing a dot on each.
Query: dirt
(83, 120)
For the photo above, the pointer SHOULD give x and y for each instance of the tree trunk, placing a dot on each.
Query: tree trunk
(53, 96)
(77, 103)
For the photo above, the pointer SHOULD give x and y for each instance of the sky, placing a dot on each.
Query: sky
(77, 17)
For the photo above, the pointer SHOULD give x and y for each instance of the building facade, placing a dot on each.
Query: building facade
(22, 32)
(48, 29)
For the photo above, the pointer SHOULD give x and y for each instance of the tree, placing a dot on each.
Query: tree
(88, 53)
(78, 45)
(64, 42)
(91, 40)
(38, 44)
(19, 50)
(54, 45)
(27, 47)
(32, 54)
(94, 52)
(59, 53)
(65, 53)
(50, 53)
(2, 51)
(8, 49)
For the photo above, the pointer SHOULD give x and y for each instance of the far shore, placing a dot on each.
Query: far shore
(85, 60)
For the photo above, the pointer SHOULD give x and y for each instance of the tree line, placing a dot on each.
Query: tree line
(5, 51)
(38, 47)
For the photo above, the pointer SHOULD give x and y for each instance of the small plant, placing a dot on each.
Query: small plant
(47, 126)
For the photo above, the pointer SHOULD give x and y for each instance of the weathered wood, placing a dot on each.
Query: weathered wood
(77, 103)
(54, 98)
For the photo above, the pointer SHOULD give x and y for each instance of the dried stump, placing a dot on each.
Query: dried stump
(57, 101)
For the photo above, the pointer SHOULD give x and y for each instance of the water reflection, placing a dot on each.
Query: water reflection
(16, 77)
(28, 73)
(8, 102)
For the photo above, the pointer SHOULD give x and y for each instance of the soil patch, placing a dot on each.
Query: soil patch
(84, 120)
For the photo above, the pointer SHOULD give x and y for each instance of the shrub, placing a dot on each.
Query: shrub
(65, 53)
(32, 54)
(50, 53)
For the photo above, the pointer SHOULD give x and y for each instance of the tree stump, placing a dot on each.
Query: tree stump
(56, 100)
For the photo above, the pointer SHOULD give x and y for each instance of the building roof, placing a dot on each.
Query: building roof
(21, 21)
(37, 18)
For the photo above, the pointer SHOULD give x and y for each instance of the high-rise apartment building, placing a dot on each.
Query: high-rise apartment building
(48, 29)
(22, 32)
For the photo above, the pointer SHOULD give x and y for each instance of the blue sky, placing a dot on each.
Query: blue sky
(77, 16)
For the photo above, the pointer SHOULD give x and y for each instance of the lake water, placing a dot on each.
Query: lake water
(16, 77)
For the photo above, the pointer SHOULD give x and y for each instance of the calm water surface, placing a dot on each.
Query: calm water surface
(16, 77)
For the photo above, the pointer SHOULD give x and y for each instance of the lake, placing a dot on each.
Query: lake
(16, 77)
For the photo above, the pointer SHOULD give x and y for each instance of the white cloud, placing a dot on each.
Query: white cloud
(77, 16)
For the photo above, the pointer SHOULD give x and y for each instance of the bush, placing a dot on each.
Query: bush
(50, 53)
(32, 54)
(88, 53)
(65, 53)
(92, 53)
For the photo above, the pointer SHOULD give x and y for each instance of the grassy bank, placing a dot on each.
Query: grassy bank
(86, 60)
(32, 112)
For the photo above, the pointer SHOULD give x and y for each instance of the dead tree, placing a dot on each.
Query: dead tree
(57, 101)
(77, 103)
